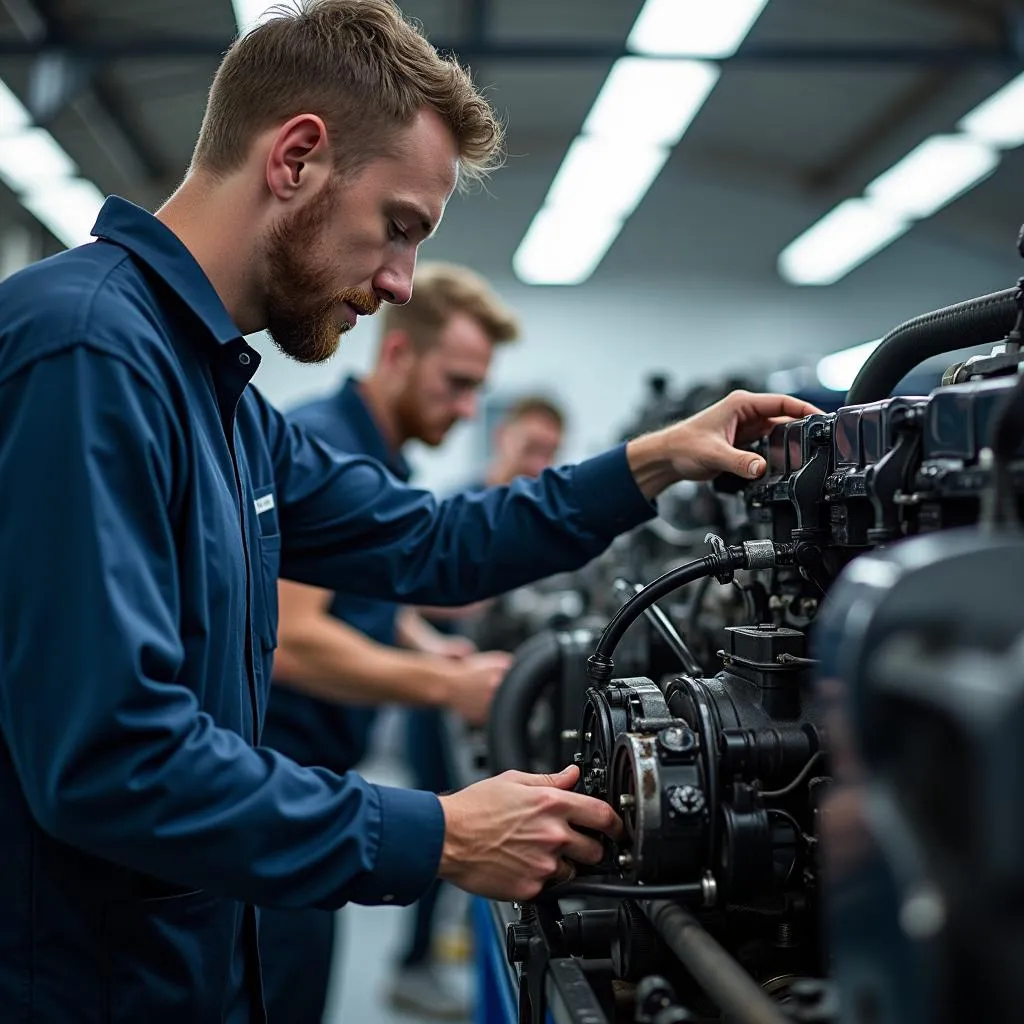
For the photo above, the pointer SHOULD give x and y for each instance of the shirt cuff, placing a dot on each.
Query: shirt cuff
(409, 852)
(608, 495)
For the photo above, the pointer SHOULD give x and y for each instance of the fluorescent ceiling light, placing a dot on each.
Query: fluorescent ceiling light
(31, 158)
(853, 232)
(838, 371)
(699, 28)
(999, 121)
(68, 208)
(643, 109)
(602, 174)
(36, 168)
(652, 101)
(563, 246)
(249, 12)
(933, 175)
(13, 115)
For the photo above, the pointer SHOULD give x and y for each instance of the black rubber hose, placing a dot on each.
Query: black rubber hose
(980, 321)
(600, 663)
(730, 987)
(666, 629)
(535, 661)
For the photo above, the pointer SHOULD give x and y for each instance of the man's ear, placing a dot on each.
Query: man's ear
(498, 435)
(396, 350)
(299, 159)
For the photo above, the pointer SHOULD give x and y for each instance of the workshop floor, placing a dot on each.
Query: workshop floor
(370, 936)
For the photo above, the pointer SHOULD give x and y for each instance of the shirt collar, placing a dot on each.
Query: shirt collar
(138, 231)
(368, 433)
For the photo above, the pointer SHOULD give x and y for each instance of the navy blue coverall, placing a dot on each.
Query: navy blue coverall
(151, 499)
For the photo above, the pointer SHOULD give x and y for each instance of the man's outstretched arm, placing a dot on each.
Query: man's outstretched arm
(347, 524)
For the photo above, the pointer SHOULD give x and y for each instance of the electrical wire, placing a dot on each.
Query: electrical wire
(805, 772)
(693, 618)
(747, 597)
(798, 835)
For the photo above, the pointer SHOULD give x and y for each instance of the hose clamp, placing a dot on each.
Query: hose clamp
(725, 573)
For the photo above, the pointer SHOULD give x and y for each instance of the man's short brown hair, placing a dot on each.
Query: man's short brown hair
(535, 405)
(440, 290)
(359, 65)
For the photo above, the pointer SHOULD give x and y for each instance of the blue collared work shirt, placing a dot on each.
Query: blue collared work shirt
(307, 729)
(151, 498)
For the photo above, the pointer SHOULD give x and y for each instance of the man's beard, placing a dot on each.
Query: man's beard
(412, 424)
(302, 308)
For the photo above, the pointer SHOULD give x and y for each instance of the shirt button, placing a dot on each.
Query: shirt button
(244, 359)
(388, 898)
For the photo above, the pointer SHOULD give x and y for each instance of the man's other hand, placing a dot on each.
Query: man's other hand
(456, 647)
(506, 837)
(712, 441)
(475, 680)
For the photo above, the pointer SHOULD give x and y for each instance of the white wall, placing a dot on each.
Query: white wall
(593, 345)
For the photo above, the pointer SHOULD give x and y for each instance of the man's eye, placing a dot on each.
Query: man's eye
(395, 232)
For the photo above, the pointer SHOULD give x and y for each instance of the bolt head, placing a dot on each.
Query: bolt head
(677, 738)
(686, 801)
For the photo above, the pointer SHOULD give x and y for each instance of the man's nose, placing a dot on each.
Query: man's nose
(466, 405)
(394, 283)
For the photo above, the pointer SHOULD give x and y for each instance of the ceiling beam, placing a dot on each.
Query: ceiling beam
(988, 17)
(478, 21)
(1001, 55)
(845, 168)
(65, 74)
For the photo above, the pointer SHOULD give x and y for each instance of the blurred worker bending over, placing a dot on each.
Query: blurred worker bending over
(526, 440)
(525, 443)
(340, 656)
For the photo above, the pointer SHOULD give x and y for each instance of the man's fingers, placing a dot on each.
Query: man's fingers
(588, 812)
(583, 849)
(565, 779)
(770, 406)
(726, 459)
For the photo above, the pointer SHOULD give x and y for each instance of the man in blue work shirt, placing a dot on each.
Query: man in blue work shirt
(433, 356)
(152, 499)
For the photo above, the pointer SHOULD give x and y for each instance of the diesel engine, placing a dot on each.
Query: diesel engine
(732, 763)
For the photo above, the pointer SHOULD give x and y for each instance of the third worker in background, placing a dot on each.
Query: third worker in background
(340, 656)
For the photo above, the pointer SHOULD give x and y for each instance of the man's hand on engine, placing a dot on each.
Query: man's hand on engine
(456, 647)
(474, 680)
(506, 837)
(711, 442)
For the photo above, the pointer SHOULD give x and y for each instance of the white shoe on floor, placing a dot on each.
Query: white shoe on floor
(423, 992)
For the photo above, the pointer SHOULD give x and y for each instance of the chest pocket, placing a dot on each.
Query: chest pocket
(268, 555)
